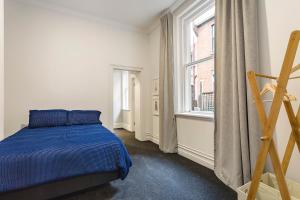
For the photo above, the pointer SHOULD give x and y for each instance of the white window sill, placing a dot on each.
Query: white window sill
(126, 109)
(204, 116)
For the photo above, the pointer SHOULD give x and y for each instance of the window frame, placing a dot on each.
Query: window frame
(181, 21)
(213, 38)
(125, 90)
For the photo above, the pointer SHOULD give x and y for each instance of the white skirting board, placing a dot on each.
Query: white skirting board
(151, 138)
(199, 157)
(118, 125)
(196, 156)
(124, 126)
(127, 127)
(155, 140)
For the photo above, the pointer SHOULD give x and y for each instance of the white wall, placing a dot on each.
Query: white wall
(154, 39)
(1, 69)
(57, 60)
(277, 20)
(196, 139)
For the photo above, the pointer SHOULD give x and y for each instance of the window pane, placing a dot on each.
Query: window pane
(200, 86)
(213, 37)
(201, 37)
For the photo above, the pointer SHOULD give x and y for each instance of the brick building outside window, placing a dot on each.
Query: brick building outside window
(201, 73)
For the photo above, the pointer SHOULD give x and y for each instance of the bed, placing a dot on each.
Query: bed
(46, 162)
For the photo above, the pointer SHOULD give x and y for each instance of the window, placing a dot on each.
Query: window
(198, 41)
(213, 37)
(125, 90)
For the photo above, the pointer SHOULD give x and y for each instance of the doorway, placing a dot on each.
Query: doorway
(126, 101)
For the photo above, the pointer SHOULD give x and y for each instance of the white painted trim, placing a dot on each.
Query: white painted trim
(151, 138)
(202, 116)
(176, 5)
(173, 7)
(127, 127)
(114, 23)
(148, 136)
(118, 125)
(60, 9)
(196, 156)
(126, 68)
(155, 140)
(185, 12)
(156, 22)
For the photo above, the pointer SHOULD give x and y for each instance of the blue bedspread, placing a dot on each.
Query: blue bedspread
(40, 155)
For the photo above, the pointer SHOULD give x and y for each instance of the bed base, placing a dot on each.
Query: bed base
(60, 188)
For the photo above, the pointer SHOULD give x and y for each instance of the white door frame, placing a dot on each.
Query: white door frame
(137, 115)
(132, 82)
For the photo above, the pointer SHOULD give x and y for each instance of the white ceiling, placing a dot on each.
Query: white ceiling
(136, 13)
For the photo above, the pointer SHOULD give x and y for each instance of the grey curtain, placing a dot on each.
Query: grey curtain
(167, 123)
(237, 129)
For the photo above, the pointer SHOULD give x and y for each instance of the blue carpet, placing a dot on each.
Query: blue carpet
(158, 176)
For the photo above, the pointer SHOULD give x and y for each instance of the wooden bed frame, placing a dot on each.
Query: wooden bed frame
(62, 187)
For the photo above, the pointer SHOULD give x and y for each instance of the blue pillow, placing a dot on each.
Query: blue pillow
(47, 118)
(80, 117)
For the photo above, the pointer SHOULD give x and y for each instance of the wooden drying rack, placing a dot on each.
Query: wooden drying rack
(268, 123)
